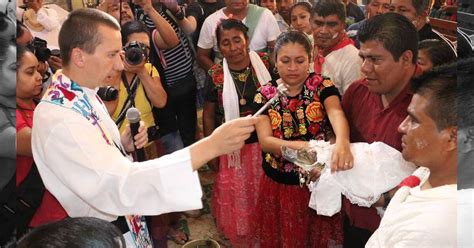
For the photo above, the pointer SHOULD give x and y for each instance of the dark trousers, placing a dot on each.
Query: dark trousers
(182, 105)
(355, 237)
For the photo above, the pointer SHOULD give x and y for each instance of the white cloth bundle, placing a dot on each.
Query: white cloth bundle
(378, 168)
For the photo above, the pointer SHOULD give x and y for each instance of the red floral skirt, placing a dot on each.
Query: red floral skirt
(235, 194)
(285, 220)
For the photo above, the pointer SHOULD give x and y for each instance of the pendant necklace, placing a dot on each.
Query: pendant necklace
(242, 77)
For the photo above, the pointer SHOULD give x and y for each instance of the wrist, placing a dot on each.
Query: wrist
(180, 13)
(386, 199)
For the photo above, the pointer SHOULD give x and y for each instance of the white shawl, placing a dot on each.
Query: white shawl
(231, 99)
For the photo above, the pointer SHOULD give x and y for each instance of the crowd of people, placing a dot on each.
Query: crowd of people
(375, 74)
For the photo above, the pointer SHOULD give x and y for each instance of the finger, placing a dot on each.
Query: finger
(334, 164)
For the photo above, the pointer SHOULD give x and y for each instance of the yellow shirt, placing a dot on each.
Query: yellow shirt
(141, 102)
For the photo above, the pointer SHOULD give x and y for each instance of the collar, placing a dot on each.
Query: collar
(68, 94)
(319, 60)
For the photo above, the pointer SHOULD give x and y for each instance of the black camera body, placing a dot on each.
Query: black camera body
(107, 93)
(40, 48)
(135, 53)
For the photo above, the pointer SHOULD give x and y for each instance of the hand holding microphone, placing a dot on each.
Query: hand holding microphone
(136, 137)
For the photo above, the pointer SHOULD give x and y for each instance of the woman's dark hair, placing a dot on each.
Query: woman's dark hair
(292, 36)
(229, 24)
(304, 5)
(20, 51)
(133, 27)
(74, 233)
(438, 51)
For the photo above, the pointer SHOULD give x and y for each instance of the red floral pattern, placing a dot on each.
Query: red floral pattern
(297, 118)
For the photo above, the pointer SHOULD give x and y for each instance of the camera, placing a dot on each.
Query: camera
(40, 48)
(135, 53)
(107, 93)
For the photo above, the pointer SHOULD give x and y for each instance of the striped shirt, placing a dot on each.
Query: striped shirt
(178, 60)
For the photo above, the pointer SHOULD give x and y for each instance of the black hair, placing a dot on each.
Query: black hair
(80, 30)
(421, 5)
(228, 24)
(329, 7)
(133, 27)
(292, 36)
(394, 31)
(20, 28)
(20, 51)
(74, 233)
(439, 52)
(439, 85)
(304, 5)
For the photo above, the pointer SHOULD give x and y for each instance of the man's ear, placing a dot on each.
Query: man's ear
(407, 57)
(77, 57)
(451, 137)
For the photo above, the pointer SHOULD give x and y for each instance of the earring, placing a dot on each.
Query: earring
(275, 70)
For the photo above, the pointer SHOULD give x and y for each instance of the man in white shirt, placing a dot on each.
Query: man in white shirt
(422, 212)
(78, 149)
(335, 53)
(263, 30)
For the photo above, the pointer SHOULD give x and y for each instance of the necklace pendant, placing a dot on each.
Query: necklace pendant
(242, 101)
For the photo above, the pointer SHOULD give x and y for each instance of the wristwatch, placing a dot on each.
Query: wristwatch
(180, 14)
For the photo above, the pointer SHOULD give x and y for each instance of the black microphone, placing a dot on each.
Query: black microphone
(133, 117)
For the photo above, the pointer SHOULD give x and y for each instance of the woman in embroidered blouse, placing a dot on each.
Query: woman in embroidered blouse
(292, 121)
(231, 87)
(29, 87)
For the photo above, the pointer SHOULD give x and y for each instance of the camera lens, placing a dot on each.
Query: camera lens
(42, 53)
(134, 55)
(107, 93)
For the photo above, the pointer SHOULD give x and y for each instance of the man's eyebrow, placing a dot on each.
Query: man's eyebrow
(411, 114)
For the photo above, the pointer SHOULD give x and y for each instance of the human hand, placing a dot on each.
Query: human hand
(341, 157)
(55, 62)
(314, 174)
(231, 135)
(42, 68)
(146, 5)
(138, 69)
(172, 5)
(34, 4)
(140, 140)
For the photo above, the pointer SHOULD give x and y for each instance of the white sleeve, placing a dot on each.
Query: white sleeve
(271, 25)
(91, 178)
(206, 40)
(350, 69)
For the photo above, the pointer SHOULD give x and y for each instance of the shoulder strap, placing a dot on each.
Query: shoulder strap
(130, 100)
(253, 16)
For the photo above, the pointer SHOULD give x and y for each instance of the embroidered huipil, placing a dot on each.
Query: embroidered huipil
(301, 117)
(82, 167)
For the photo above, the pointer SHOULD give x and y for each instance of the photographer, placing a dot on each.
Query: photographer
(49, 61)
(138, 85)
